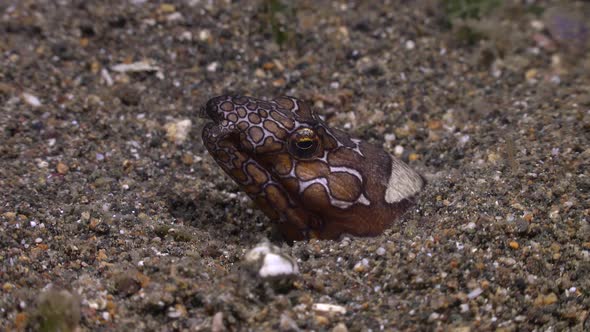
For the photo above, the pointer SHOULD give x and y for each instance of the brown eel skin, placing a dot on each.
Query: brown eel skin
(312, 180)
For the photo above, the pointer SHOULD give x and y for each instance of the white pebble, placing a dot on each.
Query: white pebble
(38, 240)
(186, 36)
(398, 150)
(537, 25)
(174, 17)
(276, 265)
(173, 313)
(474, 293)
(463, 140)
(270, 262)
(135, 67)
(380, 251)
(434, 316)
(212, 67)
(362, 265)
(204, 35)
(410, 45)
(178, 131)
(31, 99)
(326, 307)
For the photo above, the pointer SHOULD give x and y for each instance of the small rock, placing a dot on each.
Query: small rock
(141, 66)
(167, 8)
(433, 316)
(329, 308)
(340, 327)
(514, 245)
(268, 261)
(361, 266)
(322, 320)
(31, 99)
(212, 67)
(204, 35)
(217, 323)
(389, 137)
(62, 168)
(474, 293)
(177, 311)
(129, 96)
(287, 324)
(522, 226)
(508, 261)
(126, 284)
(177, 132)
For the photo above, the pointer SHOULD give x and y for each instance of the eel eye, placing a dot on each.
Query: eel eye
(304, 143)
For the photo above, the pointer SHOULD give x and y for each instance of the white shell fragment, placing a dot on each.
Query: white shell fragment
(270, 262)
(329, 308)
(31, 99)
(134, 67)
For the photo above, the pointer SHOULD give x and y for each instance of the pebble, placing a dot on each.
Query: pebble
(178, 131)
(340, 327)
(212, 67)
(270, 262)
(140, 66)
(177, 311)
(522, 226)
(322, 320)
(413, 157)
(62, 168)
(287, 324)
(217, 323)
(544, 300)
(329, 308)
(204, 35)
(31, 99)
(361, 266)
(380, 251)
(514, 245)
(475, 293)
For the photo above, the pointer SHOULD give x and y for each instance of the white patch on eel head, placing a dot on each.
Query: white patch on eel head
(403, 182)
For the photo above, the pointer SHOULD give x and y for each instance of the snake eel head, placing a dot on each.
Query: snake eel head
(312, 180)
